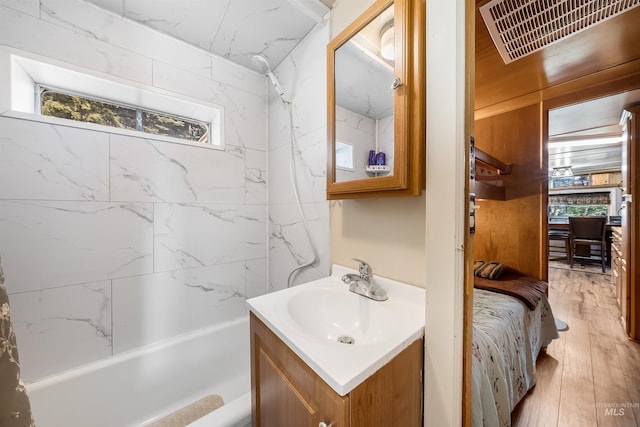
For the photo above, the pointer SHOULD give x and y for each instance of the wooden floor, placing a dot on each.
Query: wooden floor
(590, 376)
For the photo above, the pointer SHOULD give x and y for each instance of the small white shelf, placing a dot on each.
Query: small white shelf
(378, 168)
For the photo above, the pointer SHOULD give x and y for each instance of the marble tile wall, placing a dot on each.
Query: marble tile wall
(111, 242)
(303, 76)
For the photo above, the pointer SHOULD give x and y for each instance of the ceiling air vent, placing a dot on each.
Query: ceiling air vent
(521, 27)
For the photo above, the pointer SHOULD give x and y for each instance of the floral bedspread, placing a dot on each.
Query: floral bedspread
(507, 338)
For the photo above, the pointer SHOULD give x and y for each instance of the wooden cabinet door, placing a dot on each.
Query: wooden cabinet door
(285, 392)
(281, 404)
(624, 295)
(630, 213)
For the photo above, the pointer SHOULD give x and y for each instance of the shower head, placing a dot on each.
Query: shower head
(261, 64)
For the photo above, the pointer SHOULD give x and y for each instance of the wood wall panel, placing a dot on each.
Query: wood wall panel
(606, 46)
(511, 231)
(467, 356)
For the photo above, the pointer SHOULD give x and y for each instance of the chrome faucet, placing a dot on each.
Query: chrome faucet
(363, 284)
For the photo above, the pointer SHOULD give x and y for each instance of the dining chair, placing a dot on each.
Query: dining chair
(587, 234)
(558, 252)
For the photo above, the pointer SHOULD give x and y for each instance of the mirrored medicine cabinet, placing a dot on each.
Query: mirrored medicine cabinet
(375, 103)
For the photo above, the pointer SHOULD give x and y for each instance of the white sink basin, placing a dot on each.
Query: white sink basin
(342, 336)
(330, 313)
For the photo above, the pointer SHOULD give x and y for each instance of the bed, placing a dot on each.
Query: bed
(507, 338)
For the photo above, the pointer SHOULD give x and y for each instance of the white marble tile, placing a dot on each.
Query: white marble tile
(316, 7)
(247, 79)
(304, 77)
(280, 121)
(312, 164)
(42, 161)
(49, 244)
(53, 41)
(147, 170)
(178, 19)
(153, 307)
(310, 168)
(289, 245)
(31, 7)
(256, 277)
(195, 235)
(303, 74)
(279, 24)
(142, 38)
(225, 75)
(96, 23)
(231, 29)
(256, 176)
(245, 114)
(115, 6)
(62, 328)
(279, 183)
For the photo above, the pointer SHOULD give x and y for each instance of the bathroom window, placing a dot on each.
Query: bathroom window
(344, 155)
(34, 88)
(65, 105)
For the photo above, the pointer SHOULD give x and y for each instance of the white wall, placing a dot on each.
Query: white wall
(449, 108)
(111, 242)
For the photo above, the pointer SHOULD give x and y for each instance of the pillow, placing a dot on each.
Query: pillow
(489, 270)
(477, 265)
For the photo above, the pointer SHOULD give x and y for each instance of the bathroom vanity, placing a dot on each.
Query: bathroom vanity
(324, 356)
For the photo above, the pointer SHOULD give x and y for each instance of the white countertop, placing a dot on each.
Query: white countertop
(387, 327)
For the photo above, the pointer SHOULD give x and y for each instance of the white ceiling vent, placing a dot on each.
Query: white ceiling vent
(521, 27)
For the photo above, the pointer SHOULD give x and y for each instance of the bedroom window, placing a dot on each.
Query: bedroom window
(579, 204)
(578, 210)
(71, 106)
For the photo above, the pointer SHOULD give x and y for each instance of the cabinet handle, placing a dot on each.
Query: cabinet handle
(396, 83)
(323, 424)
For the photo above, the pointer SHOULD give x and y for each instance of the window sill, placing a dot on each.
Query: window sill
(106, 129)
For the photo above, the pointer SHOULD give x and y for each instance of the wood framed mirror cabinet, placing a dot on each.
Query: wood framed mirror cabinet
(376, 103)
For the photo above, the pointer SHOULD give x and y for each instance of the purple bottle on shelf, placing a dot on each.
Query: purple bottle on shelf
(372, 157)
(381, 159)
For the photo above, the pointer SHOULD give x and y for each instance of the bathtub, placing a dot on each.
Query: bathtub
(141, 386)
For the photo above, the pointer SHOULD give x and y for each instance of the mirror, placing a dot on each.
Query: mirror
(364, 100)
(376, 103)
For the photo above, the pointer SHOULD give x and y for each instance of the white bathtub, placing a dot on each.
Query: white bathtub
(141, 386)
